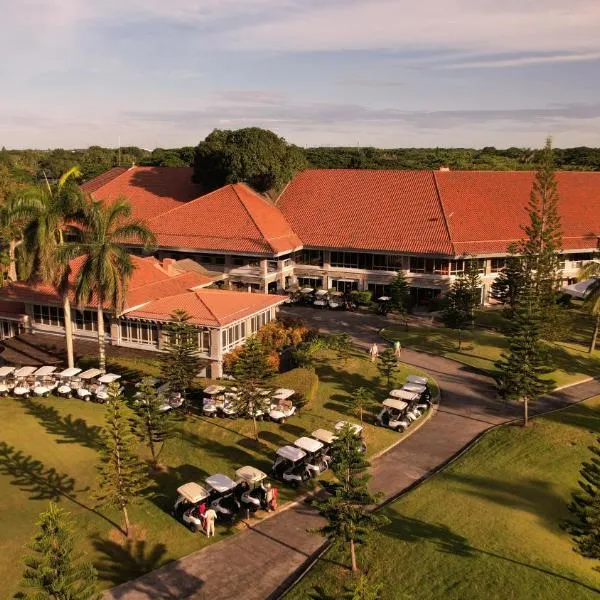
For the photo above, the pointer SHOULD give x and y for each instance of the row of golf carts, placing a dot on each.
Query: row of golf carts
(43, 381)
(333, 300)
(406, 405)
(219, 401)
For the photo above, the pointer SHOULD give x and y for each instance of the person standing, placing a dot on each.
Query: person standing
(397, 349)
(211, 517)
(374, 352)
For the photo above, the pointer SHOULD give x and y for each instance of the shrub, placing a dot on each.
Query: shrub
(363, 297)
(304, 381)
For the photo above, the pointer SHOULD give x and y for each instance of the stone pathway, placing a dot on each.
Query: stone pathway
(258, 562)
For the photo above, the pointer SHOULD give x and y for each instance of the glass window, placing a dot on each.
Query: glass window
(219, 260)
(309, 257)
(48, 315)
(417, 264)
(497, 264)
(379, 289)
(139, 332)
(313, 282)
(346, 260)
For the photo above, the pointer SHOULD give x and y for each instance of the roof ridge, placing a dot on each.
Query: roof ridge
(258, 228)
(443, 210)
(102, 175)
(208, 308)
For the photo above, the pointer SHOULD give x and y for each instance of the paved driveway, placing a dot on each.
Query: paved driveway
(255, 563)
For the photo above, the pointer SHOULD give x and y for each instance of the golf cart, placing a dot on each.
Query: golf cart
(290, 465)
(23, 382)
(358, 431)
(7, 380)
(336, 301)
(393, 415)
(281, 406)
(227, 408)
(191, 505)
(170, 399)
(251, 491)
(101, 392)
(213, 397)
(45, 381)
(326, 438)
(87, 384)
(321, 299)
(417, 380)
(306, 296)
(222, 496)
(413, 412)
(424, 395)
(317, 460)
(384, 305)
(66, 379)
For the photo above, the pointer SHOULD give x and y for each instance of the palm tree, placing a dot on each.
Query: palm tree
(106, 265)
(51, 211)
(13, 221)
(592, 298)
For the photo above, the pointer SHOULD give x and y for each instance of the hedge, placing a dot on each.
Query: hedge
(304, 381)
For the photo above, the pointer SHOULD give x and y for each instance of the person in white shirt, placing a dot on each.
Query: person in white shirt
(210, 517)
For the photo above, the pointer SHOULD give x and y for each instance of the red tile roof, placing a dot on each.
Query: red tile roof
(209, 307)
(485, 209)
(150, 190)
(368, 210)
(231, 219)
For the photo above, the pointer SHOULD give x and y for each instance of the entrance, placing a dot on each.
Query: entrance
(344, 285)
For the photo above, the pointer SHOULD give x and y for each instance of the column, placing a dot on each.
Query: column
(216, 354)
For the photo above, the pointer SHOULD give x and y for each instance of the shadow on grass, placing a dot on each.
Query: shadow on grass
(40, 482)
(581, 416)
(67, 429)
(167, 482)
(119, 563)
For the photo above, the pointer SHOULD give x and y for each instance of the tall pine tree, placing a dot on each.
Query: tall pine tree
(122, 475)
(520, 369)
(509, 282)
(55, 571)
(387, 364)
(586, 508)
(399, 293)
(542, 246)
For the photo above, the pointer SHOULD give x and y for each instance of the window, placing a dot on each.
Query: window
(219, 260)
(379, 289)
(309, 257)
(204, 341)
(233, 336)
(457, 267)
(497, 264)
(344, 285)
(576, 260)
(259, 320)
(346, 260)
(139, 332)
(437, 266)
(48, 315)
(313, 282)
(383, 262)
(417, 264)
(205, 259)
(87, 320)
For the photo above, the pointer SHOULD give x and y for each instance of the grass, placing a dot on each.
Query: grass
(482, 346)
(488, 526)
(49, 452)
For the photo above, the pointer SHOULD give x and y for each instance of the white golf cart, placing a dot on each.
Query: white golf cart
(423, 401)
(282, 407)
(191, 505)
(417, 380)
(226, 407)
(66, 378)
(358, 431)
(170, 399)
(321, 299)
(23, 382)
(326, 438)
(213, 398)
(87, 384)
(336, 301)
(7, 380)
(412, 399)
(45, 381)
(222, 497)
(290, 465)
(316, 460)
(252, 493)
(393, 415)
(101, 391)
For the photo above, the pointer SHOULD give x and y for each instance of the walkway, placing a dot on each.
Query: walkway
(255, 563)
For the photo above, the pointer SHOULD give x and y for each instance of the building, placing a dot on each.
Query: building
(223, 318)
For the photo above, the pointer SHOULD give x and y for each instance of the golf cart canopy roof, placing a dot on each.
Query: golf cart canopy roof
(90, 374)
(70, 372)
(213, 389)
(414, 387)
(308, 444)
(4, 371)
(395, 403)
(384, 299)
(45, 370)
(109, 378)
(282, 394)
(323, 436)
(416, 379)
(192, 492)
(321, 293)
(404, 395)
(291, 453)
(306, 290)
(220, 483)
(25, 371)
(579, 289)
(250, 474)
(354, 426)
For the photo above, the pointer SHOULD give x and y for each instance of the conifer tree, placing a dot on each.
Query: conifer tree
(180, 364)
(509, 282)
(543, 243)
(151, 423)
(55, 571)
(520, 369)
(122, 475)
(361, 400)
(586, 508)
(251, 371)
(346, 511)
(399, 293)
(387, 363)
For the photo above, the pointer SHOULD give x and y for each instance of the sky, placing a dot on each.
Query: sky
(387, 73)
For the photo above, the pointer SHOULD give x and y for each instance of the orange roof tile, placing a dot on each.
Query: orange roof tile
(208, 307)
(230, 219)
(367, 210)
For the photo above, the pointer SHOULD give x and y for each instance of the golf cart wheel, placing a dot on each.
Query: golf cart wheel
(282, 421)
(194, 528)
(69, 396)
(400, 429)
(25, 396)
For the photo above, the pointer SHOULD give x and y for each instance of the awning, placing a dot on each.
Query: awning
(579, 289)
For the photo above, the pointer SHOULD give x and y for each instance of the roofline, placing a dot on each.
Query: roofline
(443, 211)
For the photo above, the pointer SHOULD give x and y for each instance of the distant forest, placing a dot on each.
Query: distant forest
(30, 165)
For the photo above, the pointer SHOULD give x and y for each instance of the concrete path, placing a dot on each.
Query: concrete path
(255, 563)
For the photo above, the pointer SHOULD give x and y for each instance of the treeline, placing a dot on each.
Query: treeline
(33, 165)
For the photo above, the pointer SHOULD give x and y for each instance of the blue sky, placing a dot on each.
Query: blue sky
(319, 72)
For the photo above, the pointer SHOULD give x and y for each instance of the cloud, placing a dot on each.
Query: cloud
(523, 61)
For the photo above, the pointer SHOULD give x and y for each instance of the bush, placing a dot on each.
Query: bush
(304, 381)
(359, 297)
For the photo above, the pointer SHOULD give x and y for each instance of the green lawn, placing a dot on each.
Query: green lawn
(482, 346)
(486, 527)
(49, 451)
